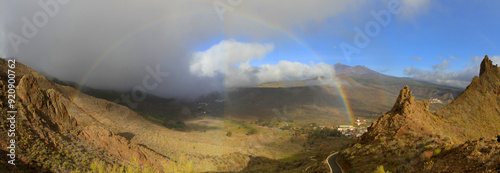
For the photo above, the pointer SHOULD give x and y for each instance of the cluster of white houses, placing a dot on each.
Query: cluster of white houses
(345, 127)
(435, 100)
(350, 130)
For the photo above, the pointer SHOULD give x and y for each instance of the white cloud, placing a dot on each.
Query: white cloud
(454, 58)
(219, 57)
(416, 58)
(494, 59)
(286, 70)
(443, 66)
(231, 60)
(459, 79)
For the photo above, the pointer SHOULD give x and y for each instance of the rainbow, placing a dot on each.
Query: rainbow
(338, 86)
(110, 49)
(345, 100)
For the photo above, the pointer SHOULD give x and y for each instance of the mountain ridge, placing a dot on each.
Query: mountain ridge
(414, 140)
(357, 70)
(49, 118)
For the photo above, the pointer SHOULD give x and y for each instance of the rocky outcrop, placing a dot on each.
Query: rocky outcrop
(419, 141)
(489, 78)
(53, 130)
(405, 116)
(44, 106)
(117, 145)
(471, 115)
(487, 66)
(476, 112)
(404, 102)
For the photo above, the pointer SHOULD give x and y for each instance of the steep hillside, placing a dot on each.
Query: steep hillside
(421, 90)
(477, 106)
(54, 132)
(406, 116)
(59, 129)
(458, 138)
(306, 104)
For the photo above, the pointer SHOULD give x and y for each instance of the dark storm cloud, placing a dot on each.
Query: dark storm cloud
(109, 44)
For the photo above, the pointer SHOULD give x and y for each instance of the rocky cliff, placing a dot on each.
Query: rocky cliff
(406, 116)
(461, 137)
(55, 133)
(476, 112)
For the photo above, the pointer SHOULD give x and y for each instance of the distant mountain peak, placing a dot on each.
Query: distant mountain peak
(354, 70)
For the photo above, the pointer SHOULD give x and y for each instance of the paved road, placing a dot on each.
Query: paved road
(332, 162)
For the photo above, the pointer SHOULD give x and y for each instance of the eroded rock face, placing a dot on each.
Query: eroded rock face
(45, 106)
(487, 66)
(476, 112)
(114, 144)
(405, 116)
(403, 102)
(47, 114)
(473, 115)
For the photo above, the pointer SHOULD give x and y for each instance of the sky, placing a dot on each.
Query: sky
(193, 47)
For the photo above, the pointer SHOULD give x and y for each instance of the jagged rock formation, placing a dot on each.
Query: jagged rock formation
(406, 116)
(411, 139)
(476, 112)
(487, 66)
(477, 106)
(54, 133)
(44, 106)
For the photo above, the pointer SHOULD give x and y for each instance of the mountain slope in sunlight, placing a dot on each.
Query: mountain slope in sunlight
(461, 137)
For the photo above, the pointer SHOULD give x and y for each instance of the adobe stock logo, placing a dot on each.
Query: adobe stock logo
(30, 27)
(372, 29)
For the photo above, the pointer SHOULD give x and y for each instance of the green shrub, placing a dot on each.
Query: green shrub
(323, 133)
(380, 169)
(436, 151)
(229, 134)
(351, 158)
(286, 127)
(252, 131)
